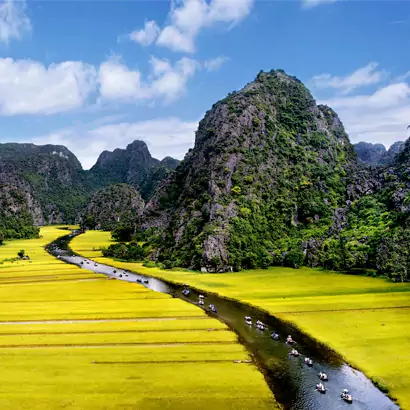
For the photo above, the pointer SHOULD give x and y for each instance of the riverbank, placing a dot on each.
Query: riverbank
(366, 320)
(72, 339)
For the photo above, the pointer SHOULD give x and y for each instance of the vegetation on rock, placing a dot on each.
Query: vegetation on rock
(274, 180)
(127, 252)
(376, 154)
(115, 205)
(16, 222)
(53, 187)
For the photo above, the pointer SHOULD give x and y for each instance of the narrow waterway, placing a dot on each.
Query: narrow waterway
(290, 379)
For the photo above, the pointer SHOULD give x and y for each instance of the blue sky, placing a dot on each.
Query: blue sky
(95, 75)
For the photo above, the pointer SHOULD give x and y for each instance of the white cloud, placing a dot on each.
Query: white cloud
(118, 82)
(147, 35)
(28, 87)
(164, 137)
(215, 64)
(380, 117)
(389, 96)
(14, 22)
(314, 3)
(167, 81)
(363, 76)
(172, 82)
(187, 18)
(176, 40)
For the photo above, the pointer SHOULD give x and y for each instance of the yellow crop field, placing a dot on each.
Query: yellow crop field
(364, 319)
(72, 339)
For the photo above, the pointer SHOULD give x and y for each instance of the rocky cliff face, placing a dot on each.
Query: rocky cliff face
(16, 221)
(370, 153)
(55, 187)
(113, 205)
(267, 162)
(376, 154)
(50, 178)
(133, 165)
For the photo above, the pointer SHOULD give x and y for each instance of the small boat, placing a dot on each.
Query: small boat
(95, 264)
(248, 320)
(120, 275)
(139, 280)
(213, 308)
(294, 352)
(114, 271)
(259, 325)
(275, 336)
(146, 281)
(346, 396)
(186, 292)
(289, 340)
(321, 388)
(308, 361)
(88, 263)
(201, 297)
(201, 302)
(323, 376)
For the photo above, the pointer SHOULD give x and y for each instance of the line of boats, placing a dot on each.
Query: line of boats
(320, 387)
(345, 395)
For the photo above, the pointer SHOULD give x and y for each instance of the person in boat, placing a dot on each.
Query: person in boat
(323, 376)
(320, 387)
(248, 320)
(346, 396)
(213, 308)
(294, 352)
(201, 296)
(275, 336)
(261, 326)
(289, 339)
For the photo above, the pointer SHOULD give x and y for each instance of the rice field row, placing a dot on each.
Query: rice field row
(72, 339)
(366, 320)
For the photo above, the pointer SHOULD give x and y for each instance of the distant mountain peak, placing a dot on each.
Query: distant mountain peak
(376, 154)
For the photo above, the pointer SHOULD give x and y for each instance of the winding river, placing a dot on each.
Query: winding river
(291, 381)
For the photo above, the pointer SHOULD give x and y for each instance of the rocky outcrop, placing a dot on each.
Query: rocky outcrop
(370, 153)
(56, 188)
(16, 220)
(376, 154)
(50, 178)
(263, 166)
(134, 166)
(113, 205)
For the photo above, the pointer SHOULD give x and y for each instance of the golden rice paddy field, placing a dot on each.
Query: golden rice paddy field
(72, 339)
(366, 320)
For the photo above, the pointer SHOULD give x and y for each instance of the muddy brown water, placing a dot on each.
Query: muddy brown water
(291, 381)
